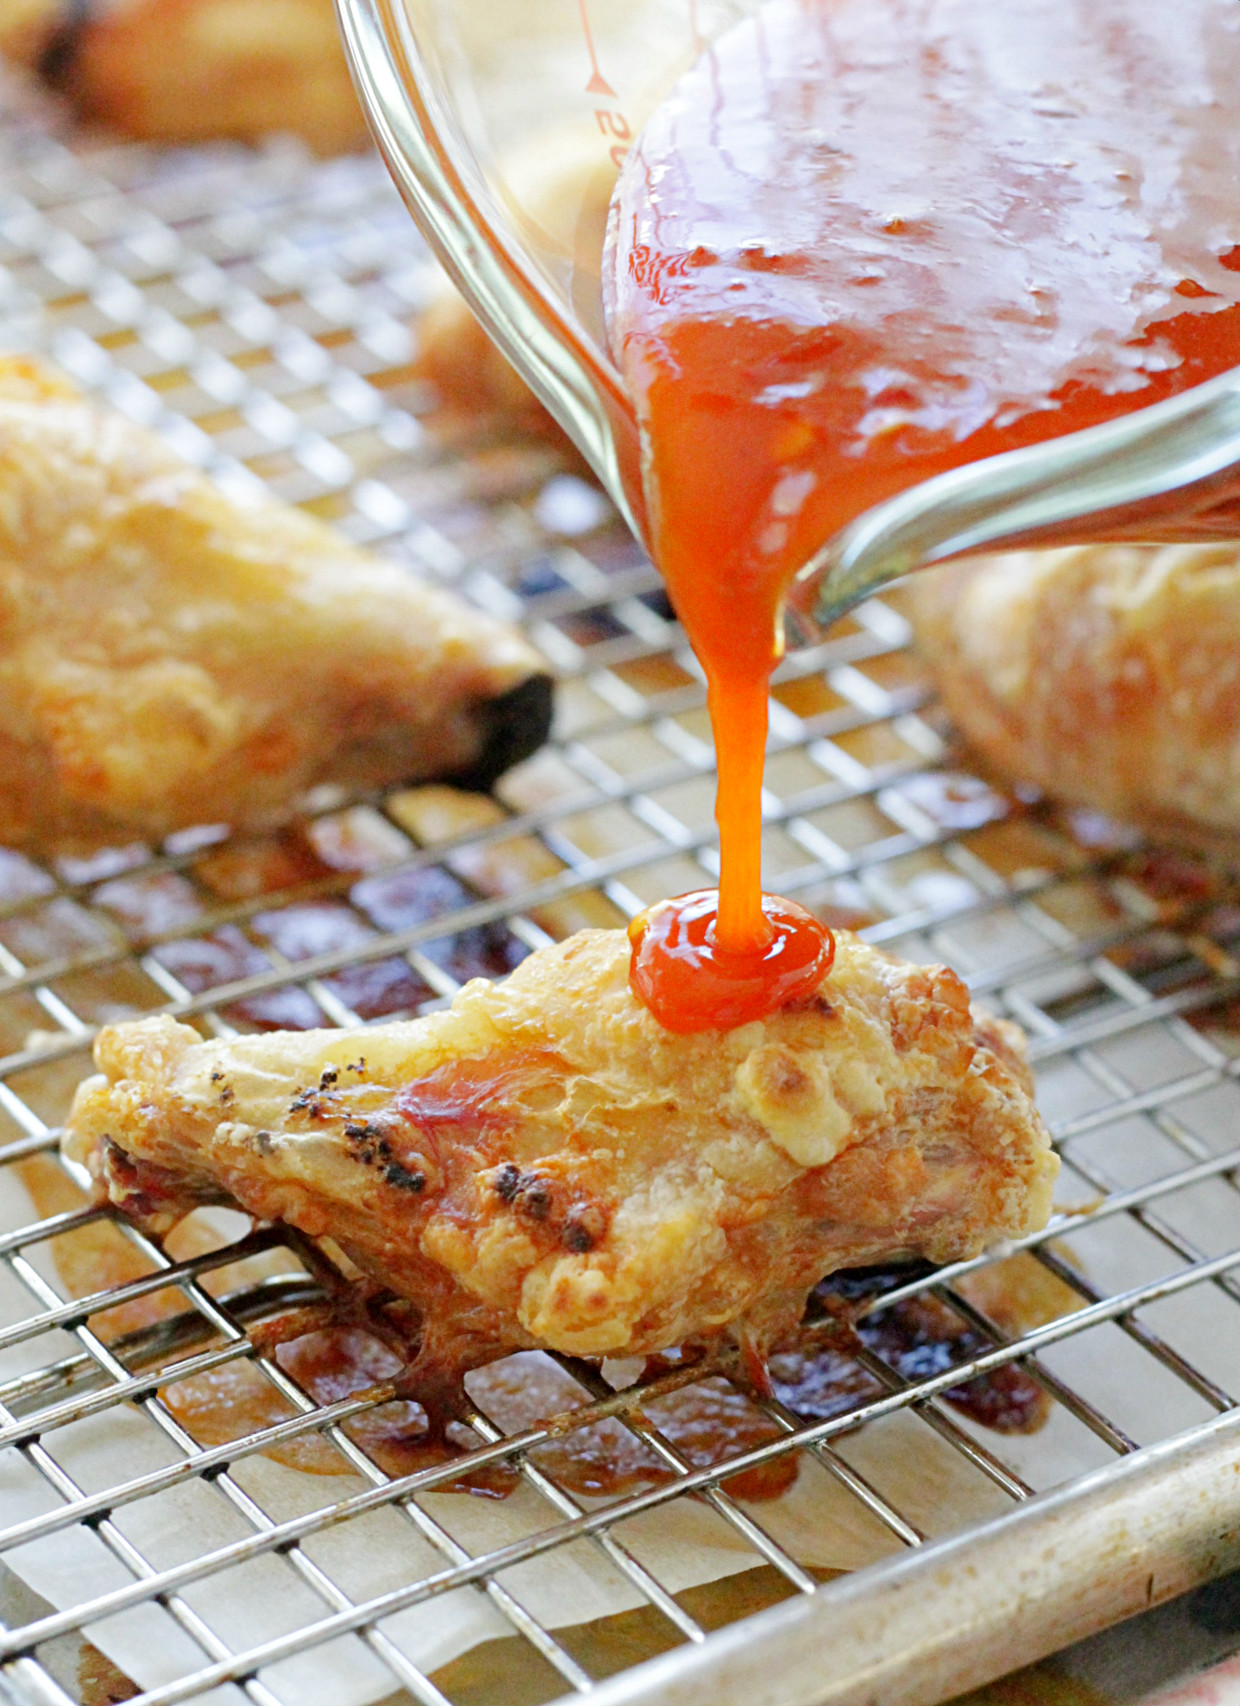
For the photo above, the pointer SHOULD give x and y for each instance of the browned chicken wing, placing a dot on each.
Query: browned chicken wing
(171, 656)
(545, 1165)
(188, 70)
(1109, 675)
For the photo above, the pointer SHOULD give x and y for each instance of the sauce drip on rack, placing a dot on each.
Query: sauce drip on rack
(708, 1421)
(865, 241)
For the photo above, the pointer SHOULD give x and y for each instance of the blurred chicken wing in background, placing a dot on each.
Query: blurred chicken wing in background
(187, 70)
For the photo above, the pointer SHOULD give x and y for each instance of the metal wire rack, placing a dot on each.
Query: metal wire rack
(258, 309)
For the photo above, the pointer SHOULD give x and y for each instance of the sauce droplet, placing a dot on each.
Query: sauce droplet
(679, 971)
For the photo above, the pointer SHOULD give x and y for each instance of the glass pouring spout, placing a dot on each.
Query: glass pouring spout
(504, 126)
(1169, 473)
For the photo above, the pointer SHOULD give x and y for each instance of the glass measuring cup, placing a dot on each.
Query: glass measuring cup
(504, 124)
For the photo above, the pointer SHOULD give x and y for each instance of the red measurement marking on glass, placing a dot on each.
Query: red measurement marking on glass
(598, 84)
(614, 124)
(610, 123)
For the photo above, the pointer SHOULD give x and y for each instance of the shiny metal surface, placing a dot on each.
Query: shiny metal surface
(960, 1613)
(260, 310)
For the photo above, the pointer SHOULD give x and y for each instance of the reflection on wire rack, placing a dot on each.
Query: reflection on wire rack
(257, 309)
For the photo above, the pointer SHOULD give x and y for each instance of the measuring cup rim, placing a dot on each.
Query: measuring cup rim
(412, 128)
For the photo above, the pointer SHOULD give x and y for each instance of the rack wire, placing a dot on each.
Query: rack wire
(259, 309)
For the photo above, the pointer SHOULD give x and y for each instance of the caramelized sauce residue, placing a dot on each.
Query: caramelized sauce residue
(329, 1364)
(707, 1422)
(681, 971)
(921, 1336)
(474, 1097)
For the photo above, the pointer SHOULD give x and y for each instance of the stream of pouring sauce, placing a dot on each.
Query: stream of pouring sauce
(865, 241)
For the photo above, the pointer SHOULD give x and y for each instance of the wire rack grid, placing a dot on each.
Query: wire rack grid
(257, 308)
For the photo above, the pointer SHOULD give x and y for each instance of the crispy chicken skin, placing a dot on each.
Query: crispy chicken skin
(544, 1165)
(188, 70)
(1109, 675)
(170, 655)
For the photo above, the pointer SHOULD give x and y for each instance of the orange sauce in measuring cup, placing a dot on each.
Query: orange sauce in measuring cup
(863, 242)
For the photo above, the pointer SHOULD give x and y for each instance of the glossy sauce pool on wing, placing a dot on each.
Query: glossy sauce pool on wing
(865, 241)
(690, 984)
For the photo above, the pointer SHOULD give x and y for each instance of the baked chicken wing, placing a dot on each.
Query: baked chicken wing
(188, 70)
(1109, 675)
(171, 655)
(544, 1165)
